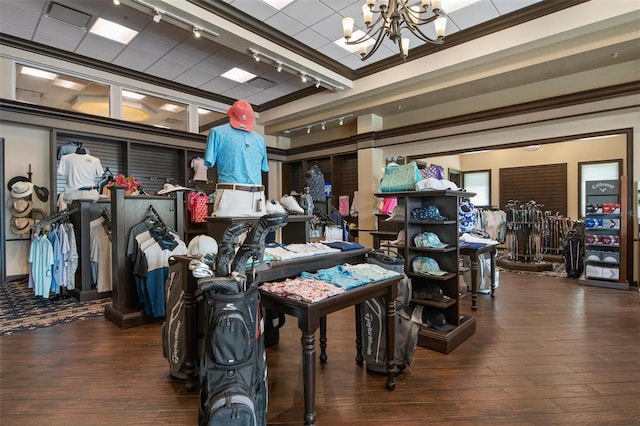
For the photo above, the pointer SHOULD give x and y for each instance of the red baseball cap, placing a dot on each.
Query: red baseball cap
(241, 115)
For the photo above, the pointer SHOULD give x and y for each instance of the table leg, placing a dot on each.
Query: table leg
(309, 376)
(359, 359)
(323, 339)
(494, 254)
(391, 338)
(474, 281)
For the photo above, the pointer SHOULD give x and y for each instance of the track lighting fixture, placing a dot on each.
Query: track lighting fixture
(158, 15)
(321, 124)
(304, 76)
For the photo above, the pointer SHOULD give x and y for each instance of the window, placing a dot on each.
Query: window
(603, 170)
(480, 183)
(52, 89)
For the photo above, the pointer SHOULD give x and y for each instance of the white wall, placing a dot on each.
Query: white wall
(25, 146)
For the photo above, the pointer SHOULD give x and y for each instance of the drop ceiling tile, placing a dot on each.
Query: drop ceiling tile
(17, 30)
(91, 7)
(311, 38)
(508, 6)
(195, 77)
(16, 16)
(308, 12)
(285, 24)
(340, 5)
(473, 14)
(185, 55)
(94, 46)
(242, 91)
(219, 85)
(135, 59)
(213, 66)
(153, 45)
(167, 69)
(61, 36)
(329, 28)
(257, 9)
(30, 6)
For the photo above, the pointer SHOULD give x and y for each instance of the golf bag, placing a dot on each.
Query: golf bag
(573, 252)
(173, 329)
(233, 363)
(373, 321)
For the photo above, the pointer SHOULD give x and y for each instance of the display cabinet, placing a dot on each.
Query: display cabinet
(446, 277)
(605, 234)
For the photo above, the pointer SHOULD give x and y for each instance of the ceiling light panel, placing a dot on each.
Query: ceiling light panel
(239, 75)
(113, 31)
(67, 84)
(38, 73)
(132, 95)
(172, 107)
(277, 4)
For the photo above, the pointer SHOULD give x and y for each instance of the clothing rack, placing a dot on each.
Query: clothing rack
(525, 224)
(56, 217)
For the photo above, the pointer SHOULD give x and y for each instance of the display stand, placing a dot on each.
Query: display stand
(447, 203)
(606, 234)
(126, 211)
(524, 238)
(84, 211)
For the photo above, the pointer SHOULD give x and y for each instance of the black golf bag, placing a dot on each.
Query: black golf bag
(373, 321)
(233, 364)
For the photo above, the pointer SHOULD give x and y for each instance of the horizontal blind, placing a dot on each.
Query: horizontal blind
(545, 184)
(153, 166)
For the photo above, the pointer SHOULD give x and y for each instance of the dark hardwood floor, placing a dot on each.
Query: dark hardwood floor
(546, 351)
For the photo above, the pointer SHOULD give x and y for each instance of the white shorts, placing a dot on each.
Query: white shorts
(244, 200)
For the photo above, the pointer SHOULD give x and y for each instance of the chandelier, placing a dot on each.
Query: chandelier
(392, 17)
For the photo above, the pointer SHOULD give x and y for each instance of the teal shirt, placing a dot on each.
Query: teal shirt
(240, 157)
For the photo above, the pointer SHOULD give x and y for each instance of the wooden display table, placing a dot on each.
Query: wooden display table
(313, 315)
(473, 254)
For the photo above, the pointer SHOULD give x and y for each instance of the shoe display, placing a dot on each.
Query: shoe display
(291, 205)
(275, 207)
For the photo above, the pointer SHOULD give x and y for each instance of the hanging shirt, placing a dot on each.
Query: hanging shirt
(197, 206)
(73, 256)
(240, 156)
(41, 259)
(199, 169)
(81, 170)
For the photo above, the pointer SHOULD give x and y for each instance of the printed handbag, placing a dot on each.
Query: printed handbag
(400, 178)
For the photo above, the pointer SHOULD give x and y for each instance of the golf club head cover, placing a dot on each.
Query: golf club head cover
(227, 248)
(253, 245)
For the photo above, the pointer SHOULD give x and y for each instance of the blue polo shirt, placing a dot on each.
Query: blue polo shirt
(240, 157)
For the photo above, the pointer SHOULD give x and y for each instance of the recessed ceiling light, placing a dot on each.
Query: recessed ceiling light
(203, 111)
(172, 108)
(132, 95)
(357, 35)
(277, 4)
(68, 84)
(34, 72)
(113, 31)
(239, 75)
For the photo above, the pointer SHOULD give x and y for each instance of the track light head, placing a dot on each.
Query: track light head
(196, 32)
(303, 78)
(256, 57)
(317, 84)
(308, 129)
(323, 126)
(157, 17)
(116, 2)
(279, 67)
(341, 121)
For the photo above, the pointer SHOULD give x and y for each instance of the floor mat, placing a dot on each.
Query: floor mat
(21, 311)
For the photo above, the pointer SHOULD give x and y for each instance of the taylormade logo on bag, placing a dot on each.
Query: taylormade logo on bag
(175, 357)
(368, 324)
